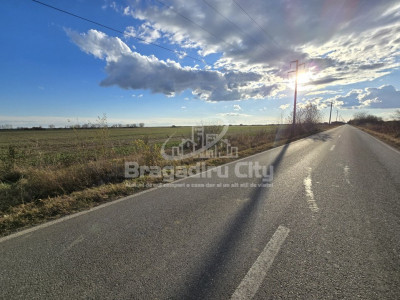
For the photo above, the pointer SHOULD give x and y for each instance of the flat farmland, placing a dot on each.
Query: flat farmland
(48, 173)
(68, 146)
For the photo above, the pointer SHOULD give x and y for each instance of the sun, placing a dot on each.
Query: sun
(304, 77)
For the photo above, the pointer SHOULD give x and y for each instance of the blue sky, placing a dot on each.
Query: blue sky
(56, 68)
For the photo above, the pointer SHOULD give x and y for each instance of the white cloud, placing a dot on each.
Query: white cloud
(328, 35)
(110, 4)
(342, 42)
(130, 32)
(131, 70)
(236, 107)
(280, 96)
(100, 45)
(233, 114)
(284, 106)
(316, 101)
(385, 96)
(145, 33)
(323, 92)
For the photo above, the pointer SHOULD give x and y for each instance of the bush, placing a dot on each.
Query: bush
(363, 118)
(307, 118)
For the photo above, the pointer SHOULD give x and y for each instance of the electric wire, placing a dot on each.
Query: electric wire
(113, 29)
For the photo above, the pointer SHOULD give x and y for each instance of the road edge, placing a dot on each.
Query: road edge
(131, 197)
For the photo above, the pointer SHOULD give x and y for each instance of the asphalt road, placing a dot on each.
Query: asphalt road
(327, 228)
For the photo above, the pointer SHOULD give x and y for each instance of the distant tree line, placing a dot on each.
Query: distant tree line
(376, 124)
(362, 118)
(6, 126)
(75, 126)
(102, 125)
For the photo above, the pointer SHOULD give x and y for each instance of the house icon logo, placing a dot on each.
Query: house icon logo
(201, 145)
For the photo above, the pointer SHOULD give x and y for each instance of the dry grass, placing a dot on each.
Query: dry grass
(388, 132)
(33, 189)
(36, 212)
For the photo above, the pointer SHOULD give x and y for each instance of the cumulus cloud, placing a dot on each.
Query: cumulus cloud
(348, 100)
(284, 106)
(385, 96)
(237, 107)
(342, 42)
(131, 70)
(316, 101)
(145, 32)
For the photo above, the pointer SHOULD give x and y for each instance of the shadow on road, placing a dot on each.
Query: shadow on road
(205, 279)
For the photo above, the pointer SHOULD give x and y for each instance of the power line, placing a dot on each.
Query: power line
(255, 22)
(193, 22)
(232, 23)
(113, 29)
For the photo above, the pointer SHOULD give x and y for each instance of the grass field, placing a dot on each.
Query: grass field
(67, 146)
(45, 174)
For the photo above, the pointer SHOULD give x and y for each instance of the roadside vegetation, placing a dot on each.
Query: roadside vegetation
(387, 131)
(45, 174)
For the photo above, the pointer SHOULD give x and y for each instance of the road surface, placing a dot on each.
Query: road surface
(328, 227)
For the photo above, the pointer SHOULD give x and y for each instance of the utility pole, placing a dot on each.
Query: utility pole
(295, 91)
(330, 114)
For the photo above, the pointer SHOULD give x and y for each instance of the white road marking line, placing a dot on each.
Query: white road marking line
(312, 204)
(75, 242)
(346, 170)
(255, 276)
(333, 147)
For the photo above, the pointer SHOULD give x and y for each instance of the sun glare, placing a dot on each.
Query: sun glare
(304, 77)
(303, 80)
